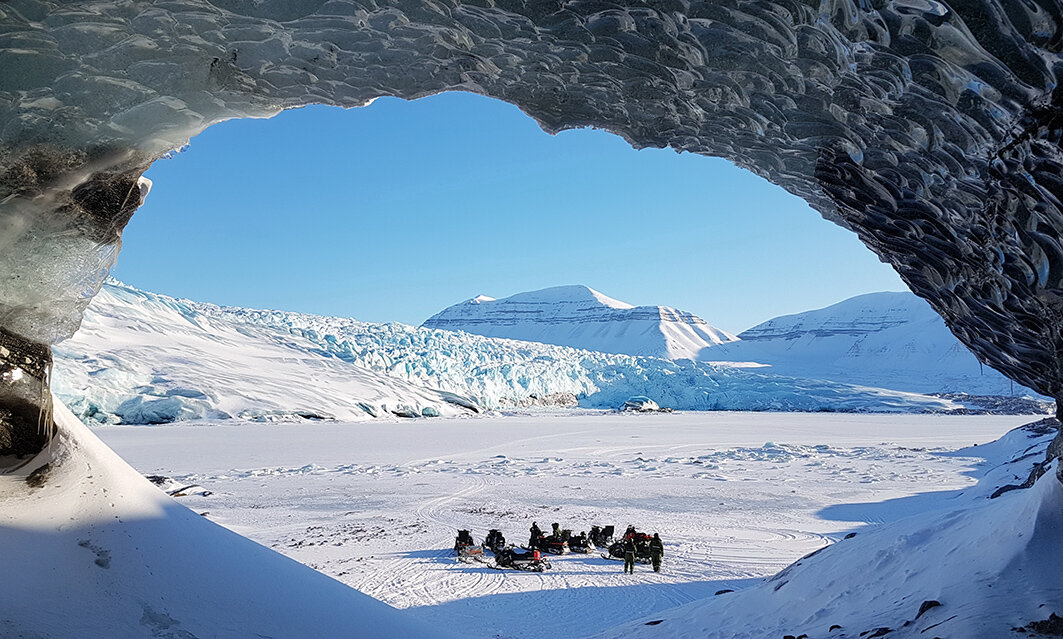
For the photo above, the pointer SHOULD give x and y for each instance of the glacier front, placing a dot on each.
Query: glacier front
(147, 358)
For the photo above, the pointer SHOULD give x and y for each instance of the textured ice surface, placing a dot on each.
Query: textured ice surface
(147, 358)
(931, 129)
(581, 317)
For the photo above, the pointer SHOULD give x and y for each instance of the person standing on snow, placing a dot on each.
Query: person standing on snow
(656, 552)
(629, 555)
(535, 534)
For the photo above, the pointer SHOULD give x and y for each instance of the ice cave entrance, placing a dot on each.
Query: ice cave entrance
(394, 211)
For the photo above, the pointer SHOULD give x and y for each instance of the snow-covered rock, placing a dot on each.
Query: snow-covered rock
(581, 317)
(886, 340)
(147, 358)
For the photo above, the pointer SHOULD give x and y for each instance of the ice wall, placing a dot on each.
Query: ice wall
(930, 129)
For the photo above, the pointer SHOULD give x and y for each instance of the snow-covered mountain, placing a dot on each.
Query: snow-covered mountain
(146, 358)
(581, 317)
(886, 340)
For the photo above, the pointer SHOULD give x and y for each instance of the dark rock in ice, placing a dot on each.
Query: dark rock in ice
(927, 605)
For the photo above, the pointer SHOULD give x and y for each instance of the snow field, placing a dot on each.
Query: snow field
(735, 496)
(93, 550)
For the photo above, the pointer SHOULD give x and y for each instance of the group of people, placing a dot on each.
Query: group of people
(630, 544)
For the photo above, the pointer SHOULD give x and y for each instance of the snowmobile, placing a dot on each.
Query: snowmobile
(580, 543)
(601, 537)
(515, 560)
(495, 541)
(642, 547)
(465, 547)
(553, 544)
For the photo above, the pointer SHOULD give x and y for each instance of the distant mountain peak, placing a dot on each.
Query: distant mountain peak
(581, 317)
(570, 294)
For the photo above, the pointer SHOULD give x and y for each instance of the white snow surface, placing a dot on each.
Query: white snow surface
(736, 497)
(95, 551)
(146, 358)
(886, 340)
(581, 317)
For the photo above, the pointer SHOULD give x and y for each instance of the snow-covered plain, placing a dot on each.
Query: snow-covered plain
(735, 496)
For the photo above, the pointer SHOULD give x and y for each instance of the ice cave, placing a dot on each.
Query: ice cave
(931, 129)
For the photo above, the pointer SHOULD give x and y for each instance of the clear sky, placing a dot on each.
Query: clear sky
(394, 211)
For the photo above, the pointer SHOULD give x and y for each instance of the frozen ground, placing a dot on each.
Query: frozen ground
(735, 496)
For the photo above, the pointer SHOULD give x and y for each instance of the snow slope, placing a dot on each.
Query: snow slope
(143, 358)
(147, 358)
(92, 550)
(970, 567)
(581, 317)
(887, 340)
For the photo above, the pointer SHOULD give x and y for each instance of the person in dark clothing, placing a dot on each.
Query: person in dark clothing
(656, 552)
(556, 533)
(533, 542)
(629, 555)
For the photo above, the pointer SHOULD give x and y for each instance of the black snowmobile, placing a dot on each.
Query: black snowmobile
(602, 537)
(515, 560)
(642, 547)
(553, 544)
(580, 543)
(495, 541)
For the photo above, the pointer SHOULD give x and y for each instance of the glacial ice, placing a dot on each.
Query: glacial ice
(257, 364)
(931, 130)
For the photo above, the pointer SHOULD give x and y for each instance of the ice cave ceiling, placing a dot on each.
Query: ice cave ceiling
(932, 130)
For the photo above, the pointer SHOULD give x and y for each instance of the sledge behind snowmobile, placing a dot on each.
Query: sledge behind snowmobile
(466, 548)
(510, 558)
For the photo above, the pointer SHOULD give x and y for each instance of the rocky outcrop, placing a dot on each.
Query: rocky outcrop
(932, 130)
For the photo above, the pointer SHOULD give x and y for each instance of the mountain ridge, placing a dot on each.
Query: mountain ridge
(581, 317)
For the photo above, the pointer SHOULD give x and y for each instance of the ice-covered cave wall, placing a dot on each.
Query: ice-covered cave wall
(930, 129)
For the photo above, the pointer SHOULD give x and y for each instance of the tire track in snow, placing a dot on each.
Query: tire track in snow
(419, 578)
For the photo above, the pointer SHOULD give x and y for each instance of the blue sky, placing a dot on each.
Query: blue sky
(397, 210)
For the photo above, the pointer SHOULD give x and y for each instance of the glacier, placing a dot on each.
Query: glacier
(142, 357)
(582, 317)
